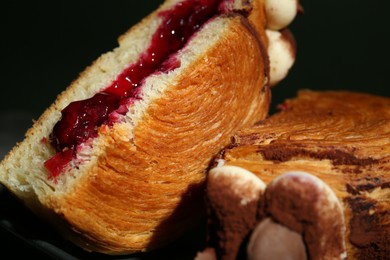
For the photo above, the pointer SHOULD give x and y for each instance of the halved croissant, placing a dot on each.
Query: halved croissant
(134, 181)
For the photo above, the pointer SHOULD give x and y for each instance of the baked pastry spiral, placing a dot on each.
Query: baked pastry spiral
(324, 161)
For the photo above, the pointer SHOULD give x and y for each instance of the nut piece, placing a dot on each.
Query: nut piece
(270, 240)
(207, 254)
(281, 51)
(233, 198)
(280, 13)
(305, 204)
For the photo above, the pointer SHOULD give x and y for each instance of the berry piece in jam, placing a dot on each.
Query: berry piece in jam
(58, 162)
(80, 119)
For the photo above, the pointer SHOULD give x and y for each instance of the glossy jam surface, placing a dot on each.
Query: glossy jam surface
(179, 24)
(81, 119)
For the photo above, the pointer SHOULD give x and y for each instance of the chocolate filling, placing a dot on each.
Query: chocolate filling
(283, 153)
(81, 119)
(367, 231)
(365, 184)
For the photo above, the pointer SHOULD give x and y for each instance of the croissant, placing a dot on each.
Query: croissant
(318, 171)
(117, 163)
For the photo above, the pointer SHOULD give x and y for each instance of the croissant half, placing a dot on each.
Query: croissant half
(126, 174)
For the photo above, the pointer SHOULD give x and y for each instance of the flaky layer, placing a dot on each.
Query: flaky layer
(344, 139)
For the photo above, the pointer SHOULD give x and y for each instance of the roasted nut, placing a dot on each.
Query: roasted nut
(306, 205)
(233, 197)
(280, 13)
(270, 240)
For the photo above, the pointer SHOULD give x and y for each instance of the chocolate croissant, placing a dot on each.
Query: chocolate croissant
(325, 162)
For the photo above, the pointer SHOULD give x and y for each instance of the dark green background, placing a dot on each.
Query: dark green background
(44, 45)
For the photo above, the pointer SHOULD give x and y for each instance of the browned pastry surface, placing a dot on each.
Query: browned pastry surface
(344, 139)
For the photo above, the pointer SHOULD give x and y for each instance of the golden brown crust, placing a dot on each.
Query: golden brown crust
(257, 18)
(141, 192)
(344, 139)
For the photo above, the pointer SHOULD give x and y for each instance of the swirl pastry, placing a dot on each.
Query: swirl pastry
(325, 159)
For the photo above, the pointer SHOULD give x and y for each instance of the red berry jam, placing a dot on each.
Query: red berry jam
(81, 119)
(58, 162)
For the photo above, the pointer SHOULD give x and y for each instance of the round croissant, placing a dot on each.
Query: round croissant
(342, 138)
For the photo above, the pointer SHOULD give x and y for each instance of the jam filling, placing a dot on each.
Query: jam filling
(81, 119)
